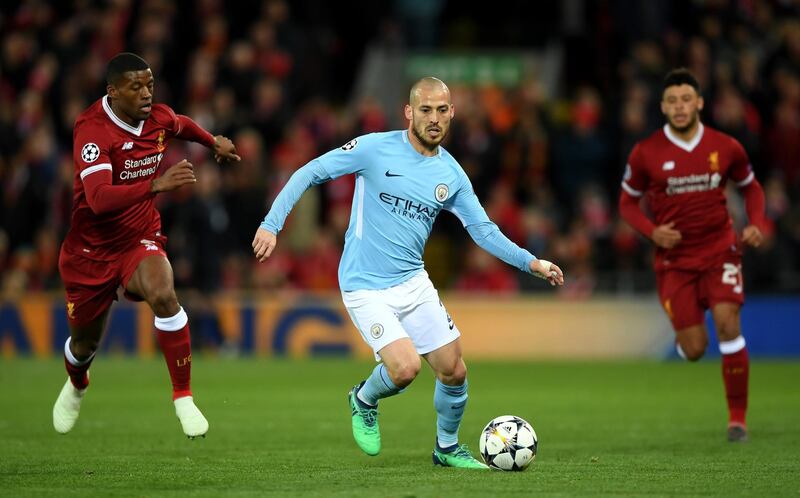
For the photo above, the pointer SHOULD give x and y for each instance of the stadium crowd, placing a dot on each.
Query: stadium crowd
(276, 78)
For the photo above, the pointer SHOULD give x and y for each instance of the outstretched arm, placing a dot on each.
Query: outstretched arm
(265, 239)
(223, 148)
(466, 206)
(489, 237)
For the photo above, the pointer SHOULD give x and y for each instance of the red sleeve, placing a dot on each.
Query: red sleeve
(741, 172)
(103, 197)
(90, 146)
(754, 203)
(635, 180)
(634, 184)
(631, 212)
(184, 128)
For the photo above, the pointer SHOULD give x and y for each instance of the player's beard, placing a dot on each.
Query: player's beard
(427, 143)
(688, 126)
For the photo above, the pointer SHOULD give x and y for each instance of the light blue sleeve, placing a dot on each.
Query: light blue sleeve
(466, 206)
(349, 158)
(312, 173)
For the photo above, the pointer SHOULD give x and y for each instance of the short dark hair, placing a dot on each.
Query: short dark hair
(121, 64)
(681, 76)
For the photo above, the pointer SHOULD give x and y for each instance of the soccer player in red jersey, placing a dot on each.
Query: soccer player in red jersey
(115, 238)
(681, 171)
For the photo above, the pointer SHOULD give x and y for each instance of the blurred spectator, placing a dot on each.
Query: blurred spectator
(278, 76)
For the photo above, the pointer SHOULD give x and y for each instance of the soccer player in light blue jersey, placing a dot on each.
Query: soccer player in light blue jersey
(404, 179)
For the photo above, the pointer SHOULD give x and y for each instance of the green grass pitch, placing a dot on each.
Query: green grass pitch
(282, 428)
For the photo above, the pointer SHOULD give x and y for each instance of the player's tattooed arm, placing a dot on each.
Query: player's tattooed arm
(224, 150)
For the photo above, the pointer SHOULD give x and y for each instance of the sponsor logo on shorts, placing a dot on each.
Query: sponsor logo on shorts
(450, 322)
(376, 331)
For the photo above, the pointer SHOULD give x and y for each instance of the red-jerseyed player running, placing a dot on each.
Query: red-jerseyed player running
(115, 236)
(682, 171)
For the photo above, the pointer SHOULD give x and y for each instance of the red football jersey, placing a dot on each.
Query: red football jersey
(102, 141)
(684, 182)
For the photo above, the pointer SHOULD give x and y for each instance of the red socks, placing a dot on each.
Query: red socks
(77, 369)
(172, 335)
(735, 372)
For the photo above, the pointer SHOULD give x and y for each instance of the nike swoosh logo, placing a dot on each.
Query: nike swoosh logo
(457, 407)
(391, 174)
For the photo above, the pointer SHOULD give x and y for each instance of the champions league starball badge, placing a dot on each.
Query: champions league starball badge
(90, 152)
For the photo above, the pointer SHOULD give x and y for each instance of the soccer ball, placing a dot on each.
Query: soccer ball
(508, 443)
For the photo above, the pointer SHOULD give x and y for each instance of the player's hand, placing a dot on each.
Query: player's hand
(549, 271)
(263, 244)
(176, 176)
(665, 236)
(751, 235)
(224, 150)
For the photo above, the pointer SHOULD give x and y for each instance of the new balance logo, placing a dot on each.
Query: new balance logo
(669, 165)
(127, 146)
(391, 174)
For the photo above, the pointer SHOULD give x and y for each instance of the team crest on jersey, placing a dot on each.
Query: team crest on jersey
(713, 161)
(441, 192)
(350, 145)
(376, 331)
(90, 152)
(160, 145)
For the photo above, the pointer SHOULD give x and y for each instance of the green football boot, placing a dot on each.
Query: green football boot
(365, 423)
(460, 457)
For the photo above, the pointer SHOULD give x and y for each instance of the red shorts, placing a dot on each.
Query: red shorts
(91, 285)
(686, 294)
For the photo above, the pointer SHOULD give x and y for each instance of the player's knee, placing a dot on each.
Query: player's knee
(405, 373)
(454, 376)
(163, 301)
(728, 330)
(694, 352)
(83, 348)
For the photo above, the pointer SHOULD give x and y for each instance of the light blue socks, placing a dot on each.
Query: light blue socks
(449, 402)
(377, 386)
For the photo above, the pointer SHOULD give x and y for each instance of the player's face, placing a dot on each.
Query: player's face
(133, 94)
(681, 106)
(430, 115)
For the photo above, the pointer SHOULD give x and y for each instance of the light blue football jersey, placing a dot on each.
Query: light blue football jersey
(398, 194)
